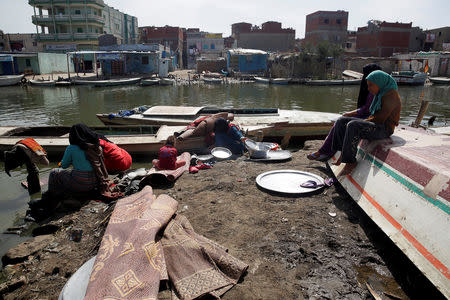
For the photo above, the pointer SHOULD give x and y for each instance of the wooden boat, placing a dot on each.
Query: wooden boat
(352, 74)
(334, 82)
(282, 81)
(441, 130)
(212, 80)
(150, 81)
(137, 140)
(7, 80)
(262, 80)
(440, 80)
(402, 183)
(109, 82)
(41, 82)
(270, 122)
(63, 83)
(409, 77)
(166, 81)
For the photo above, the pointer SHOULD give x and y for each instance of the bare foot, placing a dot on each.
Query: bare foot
(338, 162)
(348, 169)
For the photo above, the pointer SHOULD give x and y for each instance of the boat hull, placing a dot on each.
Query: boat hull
(8, 80)
(148, 82)
(112, 82)
(43, 82)
(440, 80)
(402, 185)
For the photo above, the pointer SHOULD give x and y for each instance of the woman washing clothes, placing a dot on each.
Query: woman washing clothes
(364, 100)
(229, 136)
(384, 117)
(167, 157)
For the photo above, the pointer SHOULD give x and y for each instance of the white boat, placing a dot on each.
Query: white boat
(352, 74)
(281, 81)
(166, 81)
(402, 183)
(63, 83)
(334, 82)
(7, 80)
(212, 80)
(42, 82)
(270, 122)
(262, 80)
(136, 140)
(150, 81)
(440, 80)
(409, 77)
(109, 82)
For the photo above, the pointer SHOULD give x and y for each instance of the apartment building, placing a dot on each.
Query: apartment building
(329, 26)
(68, 25)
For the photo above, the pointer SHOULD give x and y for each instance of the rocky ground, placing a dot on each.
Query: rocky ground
(319, 246)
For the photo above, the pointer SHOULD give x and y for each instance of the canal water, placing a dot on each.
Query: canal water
(69, 105)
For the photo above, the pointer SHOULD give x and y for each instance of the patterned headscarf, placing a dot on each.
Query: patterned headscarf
(385, 83)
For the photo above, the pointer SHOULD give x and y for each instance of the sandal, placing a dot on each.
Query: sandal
(318, 156)
(314, 184)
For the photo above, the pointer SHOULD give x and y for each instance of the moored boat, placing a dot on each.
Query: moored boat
(6, 80)
(150, 81)
(41, 82)
(137, 140)
(352, 74)
(409, 77)
(109, 82)
(270, 122)
(281, 81)
(166, 81)
(402, 183)
(440, 80)
(262, 80)
(212, 80)
(334, 82)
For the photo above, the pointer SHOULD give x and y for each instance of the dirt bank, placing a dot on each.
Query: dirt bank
(296, 248)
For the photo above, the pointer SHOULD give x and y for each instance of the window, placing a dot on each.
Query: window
(28, 62)
(326, 21)
(79, 30)
(213, 46)
(145, 60)
(78, 12)
(349, 45)
(117, 26)
(35, 44)
(338, 21)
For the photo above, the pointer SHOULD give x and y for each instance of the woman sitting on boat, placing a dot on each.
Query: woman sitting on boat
(364, 100)
(167, 158)
(204, 126)
(229, 136)
(384, 117)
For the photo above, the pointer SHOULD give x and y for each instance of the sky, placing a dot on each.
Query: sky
(217, 16)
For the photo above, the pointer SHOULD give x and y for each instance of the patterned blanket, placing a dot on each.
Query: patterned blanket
(146, 242)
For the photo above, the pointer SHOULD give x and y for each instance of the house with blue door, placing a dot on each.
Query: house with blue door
(247, 61)
(19, 63)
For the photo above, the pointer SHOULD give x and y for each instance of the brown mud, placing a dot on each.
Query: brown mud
(296, 248)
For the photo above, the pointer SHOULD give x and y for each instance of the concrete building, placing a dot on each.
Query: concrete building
(329, 26)
(383, 39)
(270, 37)
(202, 44)
(65, 25)
(437, 39)
(350, 45)
(19, 42)
(416, 39)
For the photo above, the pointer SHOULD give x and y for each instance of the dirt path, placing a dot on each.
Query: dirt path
(296, 248)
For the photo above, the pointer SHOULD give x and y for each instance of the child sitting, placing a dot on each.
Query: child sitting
(167, 158)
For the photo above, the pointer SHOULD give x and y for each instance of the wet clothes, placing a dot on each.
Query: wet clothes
(116, 159)
(30, 153)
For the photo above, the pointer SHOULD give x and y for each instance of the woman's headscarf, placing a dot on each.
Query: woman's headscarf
(385, 83)
(80, 135)
(363, 91)
(221, 125)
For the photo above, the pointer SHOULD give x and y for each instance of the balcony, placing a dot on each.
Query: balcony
(39, 20)
(46, 3)
(66, 36)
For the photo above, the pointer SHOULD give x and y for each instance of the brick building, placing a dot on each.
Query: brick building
(269, 37)
(328, 26)
(168, 36)
(437, 39)
(382, 39)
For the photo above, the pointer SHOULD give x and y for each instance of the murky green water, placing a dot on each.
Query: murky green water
(69, 105)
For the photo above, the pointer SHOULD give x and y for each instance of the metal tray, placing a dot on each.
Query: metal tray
(287, 181)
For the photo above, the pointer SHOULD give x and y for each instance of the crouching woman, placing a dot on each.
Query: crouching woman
(384, 117)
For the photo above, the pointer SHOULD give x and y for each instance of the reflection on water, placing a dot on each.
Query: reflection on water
(69, 105)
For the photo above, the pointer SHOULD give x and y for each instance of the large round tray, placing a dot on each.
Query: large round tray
(288, 181)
